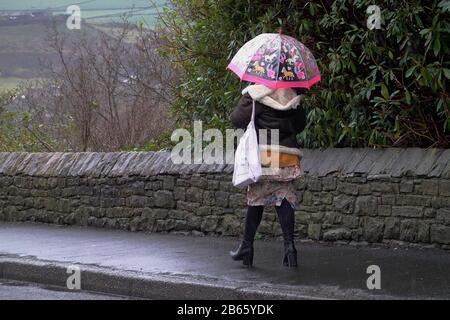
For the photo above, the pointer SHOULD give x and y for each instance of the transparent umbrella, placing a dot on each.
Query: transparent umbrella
(276, 61)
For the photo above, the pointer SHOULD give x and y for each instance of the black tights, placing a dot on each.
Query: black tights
(285, 214)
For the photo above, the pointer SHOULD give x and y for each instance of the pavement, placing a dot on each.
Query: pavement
(17, 290)
(167, 266)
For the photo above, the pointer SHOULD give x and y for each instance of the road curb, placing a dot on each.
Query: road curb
(134, 284)
(161, 286)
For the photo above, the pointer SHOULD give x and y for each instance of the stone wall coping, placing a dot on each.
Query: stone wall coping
(386, 162)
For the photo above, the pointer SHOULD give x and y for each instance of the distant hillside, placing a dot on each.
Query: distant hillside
(24, 27)
(98, 11)
(23, 48)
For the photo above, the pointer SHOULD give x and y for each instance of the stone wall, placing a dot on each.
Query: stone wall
(347, 195)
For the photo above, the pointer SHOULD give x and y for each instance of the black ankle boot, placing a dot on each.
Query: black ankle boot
(244, 253)
(290, 254)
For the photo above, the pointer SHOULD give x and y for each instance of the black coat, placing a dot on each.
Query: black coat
(290, 122)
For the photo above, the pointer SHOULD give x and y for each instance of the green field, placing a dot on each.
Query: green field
(90, 4)
(94, 10)
(9, 83)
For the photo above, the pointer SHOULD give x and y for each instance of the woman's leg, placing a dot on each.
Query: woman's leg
(286, 216)
(252, 221)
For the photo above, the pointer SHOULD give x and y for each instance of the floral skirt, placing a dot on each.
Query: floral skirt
(275, 185)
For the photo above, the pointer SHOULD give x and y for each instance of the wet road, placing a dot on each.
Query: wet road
(405, 272)
(15, 290)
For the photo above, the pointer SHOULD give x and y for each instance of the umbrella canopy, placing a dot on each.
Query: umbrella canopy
(276, 61)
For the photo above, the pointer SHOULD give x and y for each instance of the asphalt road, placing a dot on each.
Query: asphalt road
(15, 290)
(405, 272)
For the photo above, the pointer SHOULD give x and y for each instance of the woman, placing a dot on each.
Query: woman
(274, 109)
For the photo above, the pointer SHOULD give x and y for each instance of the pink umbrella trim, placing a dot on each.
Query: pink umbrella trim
(273, 84)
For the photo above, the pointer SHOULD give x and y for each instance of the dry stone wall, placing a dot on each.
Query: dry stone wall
(347, 195)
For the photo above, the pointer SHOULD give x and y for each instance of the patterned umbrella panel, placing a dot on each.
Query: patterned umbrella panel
(276, 61)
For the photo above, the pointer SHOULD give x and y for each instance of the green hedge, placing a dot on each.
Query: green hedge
(379, 87)
(16, 131)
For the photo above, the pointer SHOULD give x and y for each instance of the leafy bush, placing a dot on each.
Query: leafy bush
(16, 131)
(379, 87)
